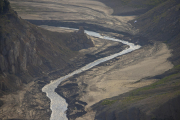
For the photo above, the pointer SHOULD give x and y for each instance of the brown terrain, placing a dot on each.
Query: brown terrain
(143, 84)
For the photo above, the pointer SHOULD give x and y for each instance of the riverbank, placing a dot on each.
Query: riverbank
(123, 74)
(96, 84)
(18, 103)
(58, 104)
(113, 78)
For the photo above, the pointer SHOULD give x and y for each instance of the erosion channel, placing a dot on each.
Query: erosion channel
(58, 104)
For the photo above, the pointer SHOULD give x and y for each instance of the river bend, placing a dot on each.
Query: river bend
(58, 104)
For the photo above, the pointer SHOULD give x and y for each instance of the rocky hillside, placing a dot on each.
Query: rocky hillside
(28, 52)
(163, 24)
(131, 7)
(159, 101)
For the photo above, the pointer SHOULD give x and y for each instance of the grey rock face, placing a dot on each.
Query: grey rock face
(28, 52)
(79, 40)
(81, 30)
(23, 62)
(15, 55)
(2, 63)
(16, 50)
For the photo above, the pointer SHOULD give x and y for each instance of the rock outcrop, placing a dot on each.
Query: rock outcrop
(29, 58)
(28, 52)
(79, 40)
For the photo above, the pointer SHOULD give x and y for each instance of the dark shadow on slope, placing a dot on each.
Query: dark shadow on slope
(72, 24)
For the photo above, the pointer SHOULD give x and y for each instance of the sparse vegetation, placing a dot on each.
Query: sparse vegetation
(142, 3)
(46, 52)
(154, 2)
(125, 2)
(4, 6)
(153, 96)
(153, 23)
(154, 85)
(108, 102)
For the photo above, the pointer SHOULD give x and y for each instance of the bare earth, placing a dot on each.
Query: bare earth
(109, 79)
(89, 11)
(119, 76)
(28, 103)
(123, 74)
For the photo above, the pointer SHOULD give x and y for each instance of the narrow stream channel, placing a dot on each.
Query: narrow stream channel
(58, 104)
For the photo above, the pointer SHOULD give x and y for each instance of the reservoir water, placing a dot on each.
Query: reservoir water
(58, 104)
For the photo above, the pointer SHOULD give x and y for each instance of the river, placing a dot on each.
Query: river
(58, 104)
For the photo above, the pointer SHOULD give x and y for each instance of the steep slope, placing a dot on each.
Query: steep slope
(28, 52)
(163, 24)
(131, 7)
(159, 101)
(29, 58)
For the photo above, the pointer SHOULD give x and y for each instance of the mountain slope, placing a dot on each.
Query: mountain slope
(131, 7)
(159, 101)
(29, 58)
(28, 52)
(163, 24)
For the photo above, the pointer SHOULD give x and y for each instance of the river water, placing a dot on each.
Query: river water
(58, 104)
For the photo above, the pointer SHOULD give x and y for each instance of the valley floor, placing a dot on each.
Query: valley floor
(106, 80)
(120, 75)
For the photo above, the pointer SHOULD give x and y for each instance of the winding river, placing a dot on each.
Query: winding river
(58, 104)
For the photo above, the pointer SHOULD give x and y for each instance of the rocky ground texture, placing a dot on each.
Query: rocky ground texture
(114, 89)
